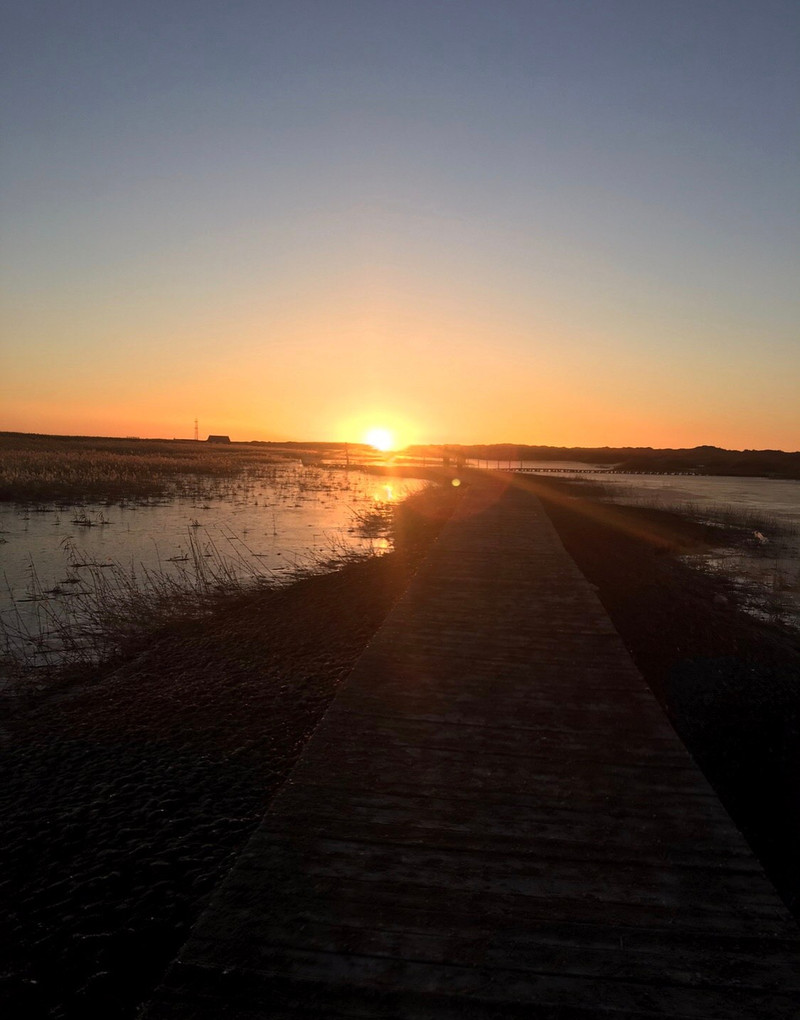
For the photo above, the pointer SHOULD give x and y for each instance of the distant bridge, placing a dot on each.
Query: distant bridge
(590, 471)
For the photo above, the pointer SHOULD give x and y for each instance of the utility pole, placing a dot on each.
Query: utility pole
(196, 432)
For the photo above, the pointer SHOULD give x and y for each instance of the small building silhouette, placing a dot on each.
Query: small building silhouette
(218, 439)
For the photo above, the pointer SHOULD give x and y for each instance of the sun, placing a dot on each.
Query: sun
(380, 438)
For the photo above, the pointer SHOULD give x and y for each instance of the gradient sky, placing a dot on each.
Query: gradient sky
(569, 222)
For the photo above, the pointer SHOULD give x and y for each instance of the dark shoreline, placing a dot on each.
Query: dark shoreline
(126, 793)
(125, 799)
(729, 683)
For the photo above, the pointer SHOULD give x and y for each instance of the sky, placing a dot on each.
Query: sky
(559, 222)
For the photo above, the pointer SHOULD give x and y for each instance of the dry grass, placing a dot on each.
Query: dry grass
(56, 468)
(114, 611)
(109, 609)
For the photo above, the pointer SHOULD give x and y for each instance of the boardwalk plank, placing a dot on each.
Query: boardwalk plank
(528, 885)
(494, 820)
(504, 823)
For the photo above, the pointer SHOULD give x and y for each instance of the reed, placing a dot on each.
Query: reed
(113, 610)
(116, 608)
(47, 468)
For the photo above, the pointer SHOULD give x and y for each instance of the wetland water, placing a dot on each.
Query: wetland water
(292, 517)
(265, 527)
(766, 566)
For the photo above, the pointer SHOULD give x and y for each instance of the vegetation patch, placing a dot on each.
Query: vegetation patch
(73, 469)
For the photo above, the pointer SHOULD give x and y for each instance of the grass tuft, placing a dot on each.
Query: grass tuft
(114, 611)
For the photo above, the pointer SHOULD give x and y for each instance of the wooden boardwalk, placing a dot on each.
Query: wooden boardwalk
(493, 820)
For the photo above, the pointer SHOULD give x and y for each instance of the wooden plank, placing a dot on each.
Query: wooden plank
(516, 883)
(494, 819)
(552, 993)
(501, 822)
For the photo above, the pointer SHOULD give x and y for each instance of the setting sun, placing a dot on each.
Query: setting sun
(381, 439)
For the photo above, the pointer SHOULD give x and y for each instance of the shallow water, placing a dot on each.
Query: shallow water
(767, 568)
(295, 518)
(770, 498)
